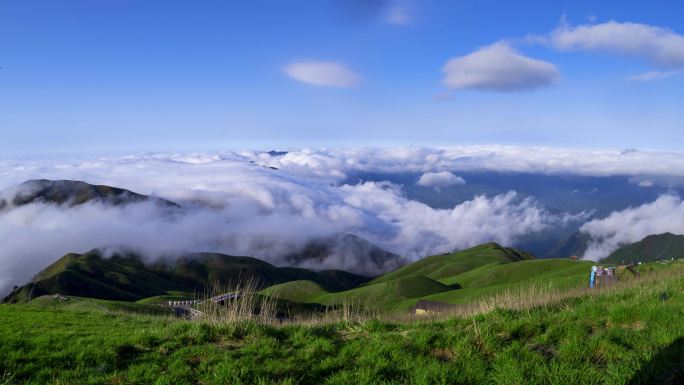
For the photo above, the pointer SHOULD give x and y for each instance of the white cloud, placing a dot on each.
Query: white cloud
(498, 67)
(336, 163)
(653, 75)
(439, 179)
(398, 15)
(660, 46)
(239, 207)
(323, 73)
(422, 230)
(665, 214)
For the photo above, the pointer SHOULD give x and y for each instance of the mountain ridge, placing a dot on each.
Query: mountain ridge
(125, 275)
(651, 248)
(72, 193)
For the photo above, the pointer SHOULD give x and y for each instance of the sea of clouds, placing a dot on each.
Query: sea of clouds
(271, 204)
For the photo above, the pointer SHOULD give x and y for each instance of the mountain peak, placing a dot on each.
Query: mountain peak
(71, 193)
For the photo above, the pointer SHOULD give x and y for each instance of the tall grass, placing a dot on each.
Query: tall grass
(247, 305)
(251, 306)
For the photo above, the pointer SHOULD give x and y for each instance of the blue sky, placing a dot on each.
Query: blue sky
(184, 75)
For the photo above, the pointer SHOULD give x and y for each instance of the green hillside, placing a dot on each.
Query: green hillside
(296, 291)
(492, 280)
(92, 304)
(449, 277)
(448, 265)
(461, 277)
(385, 296)
(381, 296)
(125, 277)
(651, 248)
(539, 269)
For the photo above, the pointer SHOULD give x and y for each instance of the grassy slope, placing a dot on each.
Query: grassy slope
(490, 280)
(441, 266)
(181, 296)
(385, 296)
(633, 334)
(298, 291)
(91, 304)
(463, 277)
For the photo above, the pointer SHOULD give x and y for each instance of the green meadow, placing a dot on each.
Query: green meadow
(628, 334)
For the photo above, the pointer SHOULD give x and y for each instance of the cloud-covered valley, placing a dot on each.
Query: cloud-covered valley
(270, 204)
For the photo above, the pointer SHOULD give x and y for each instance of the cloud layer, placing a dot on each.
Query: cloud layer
(498, 67)
(233, 204)
(323, 73)
(271, 204)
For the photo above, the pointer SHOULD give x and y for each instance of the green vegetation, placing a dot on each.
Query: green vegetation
(447, 265)
(460, 277)
(297, 291)
(125, 277)
(632, 333)
(385, 296)
(489, 280)
(651, 248)
(100, 305)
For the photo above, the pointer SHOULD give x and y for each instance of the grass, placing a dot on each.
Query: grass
(474, 282)
(440, 275)
(629, 333)
(298, 291)
(101, 305)
(441, 266)
(387, 295)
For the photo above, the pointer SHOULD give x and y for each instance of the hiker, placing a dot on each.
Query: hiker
(592, 277)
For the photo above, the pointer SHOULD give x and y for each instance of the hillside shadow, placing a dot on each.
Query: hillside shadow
(666, 367)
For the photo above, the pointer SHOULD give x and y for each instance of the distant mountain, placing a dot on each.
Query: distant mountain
(71, 193)
(574, 245)
(124, 276)
(355, 253)
(651, 248)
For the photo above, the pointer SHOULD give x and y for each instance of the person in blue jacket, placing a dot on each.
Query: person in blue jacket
(592, 276)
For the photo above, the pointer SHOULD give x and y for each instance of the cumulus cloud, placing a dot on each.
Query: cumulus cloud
(498, 67)
(439, 179)
(660, 46)
(665, 214)
(323, 73)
